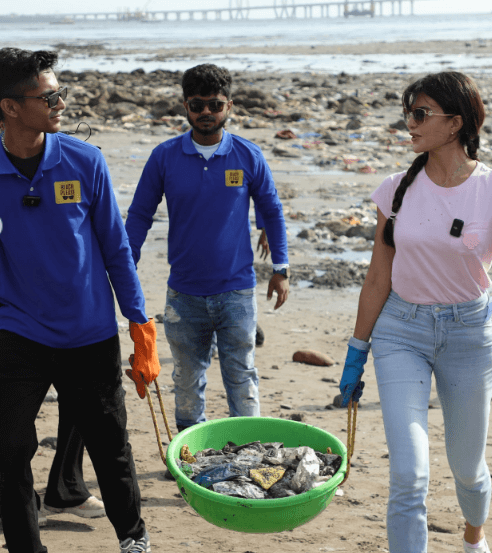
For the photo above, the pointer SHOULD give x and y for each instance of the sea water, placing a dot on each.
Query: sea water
(128, 45)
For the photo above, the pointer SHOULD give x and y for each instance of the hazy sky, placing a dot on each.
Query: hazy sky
(63, 6)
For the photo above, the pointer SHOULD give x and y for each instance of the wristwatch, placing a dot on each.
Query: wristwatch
(284, 272)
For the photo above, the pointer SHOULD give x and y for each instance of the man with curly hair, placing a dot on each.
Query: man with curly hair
(208, 177)
(63, 249)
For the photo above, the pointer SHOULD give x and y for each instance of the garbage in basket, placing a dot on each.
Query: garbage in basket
(255, 515)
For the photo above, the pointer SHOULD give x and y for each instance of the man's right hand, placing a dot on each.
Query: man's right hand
(145, 360)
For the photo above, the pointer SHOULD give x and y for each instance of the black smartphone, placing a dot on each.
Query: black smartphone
(456, 228)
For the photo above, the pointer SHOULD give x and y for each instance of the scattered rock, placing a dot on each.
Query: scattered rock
(399, 125)
(260, 336)
(285, 135)
(337, 401)
(353, 125)
(310, 357)
(307, 234)
(283, 152)
(49, 442)
(365, 231)
(350, 106)
(51, 396)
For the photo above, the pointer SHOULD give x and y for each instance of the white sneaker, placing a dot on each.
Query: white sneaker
(91, 508)
(42, 520)
(140, 546)
(482, 547)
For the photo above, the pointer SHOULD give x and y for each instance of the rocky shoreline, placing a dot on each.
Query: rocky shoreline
(330, 140)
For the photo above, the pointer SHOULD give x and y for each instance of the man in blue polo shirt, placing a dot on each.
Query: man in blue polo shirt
(208, 177)
(63, 247)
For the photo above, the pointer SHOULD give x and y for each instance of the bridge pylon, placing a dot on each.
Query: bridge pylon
(284, 8)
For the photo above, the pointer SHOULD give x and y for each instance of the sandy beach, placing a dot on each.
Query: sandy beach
(325, 177)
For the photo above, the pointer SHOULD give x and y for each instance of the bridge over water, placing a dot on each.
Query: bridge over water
(280, 9)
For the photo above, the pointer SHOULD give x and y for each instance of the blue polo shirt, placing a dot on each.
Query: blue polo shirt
(59, 259)
(208, 203)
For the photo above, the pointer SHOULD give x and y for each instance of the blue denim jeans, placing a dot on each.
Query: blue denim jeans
(190, 322)
(410, 343)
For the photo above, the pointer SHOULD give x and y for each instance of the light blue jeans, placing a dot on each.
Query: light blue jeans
(409, 343)
(190, 322)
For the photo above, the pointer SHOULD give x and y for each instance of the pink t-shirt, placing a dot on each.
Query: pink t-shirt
(430, 265)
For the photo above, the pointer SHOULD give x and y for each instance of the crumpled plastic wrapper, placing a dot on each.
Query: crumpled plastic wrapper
(283, 487)
(242, 489)
(289, 457)
(267, 477)
(307, 472)
(248, 457)
(220, 473)
(331, 461)
(204, 462)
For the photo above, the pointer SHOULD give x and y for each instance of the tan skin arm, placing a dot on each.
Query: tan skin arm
(263, 244)
(377, 285)
(279, 284)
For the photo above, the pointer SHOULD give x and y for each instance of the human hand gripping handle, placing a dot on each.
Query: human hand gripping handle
(145, 361)
(351, 385)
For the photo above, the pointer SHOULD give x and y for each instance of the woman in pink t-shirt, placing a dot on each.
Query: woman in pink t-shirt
(425, 306)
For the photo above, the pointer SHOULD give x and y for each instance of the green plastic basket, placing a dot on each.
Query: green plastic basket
(255, 515)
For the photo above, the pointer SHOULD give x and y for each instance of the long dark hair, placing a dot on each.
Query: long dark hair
(456, 94)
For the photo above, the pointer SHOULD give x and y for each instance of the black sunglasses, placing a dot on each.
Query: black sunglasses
(197, 106)
(419, 114)
(51, 100)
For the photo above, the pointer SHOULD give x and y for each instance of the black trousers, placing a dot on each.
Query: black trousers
(88, 382)
(66, 486)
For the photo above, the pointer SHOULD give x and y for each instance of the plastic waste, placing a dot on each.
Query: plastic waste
(203, 463)
(307, 472)
(219, 474)
(249, 457)
(209, 452)
(267, 477)
(331, 463)
(288, 456)
(261, 471)
(282, 488)
(239, 489)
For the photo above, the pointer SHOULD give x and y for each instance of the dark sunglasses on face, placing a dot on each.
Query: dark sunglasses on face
(51, 100)
(419, 114)
(197, 106)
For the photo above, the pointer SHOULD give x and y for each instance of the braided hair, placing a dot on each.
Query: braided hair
(457, 94)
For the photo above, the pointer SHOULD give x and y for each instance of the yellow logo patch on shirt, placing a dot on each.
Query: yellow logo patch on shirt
(67, 192)
(234, 177)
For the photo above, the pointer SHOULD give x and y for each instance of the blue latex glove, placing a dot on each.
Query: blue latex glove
(351, 385)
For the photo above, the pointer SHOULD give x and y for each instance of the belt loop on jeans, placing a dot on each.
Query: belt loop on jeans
(413, 311)
(455, 313)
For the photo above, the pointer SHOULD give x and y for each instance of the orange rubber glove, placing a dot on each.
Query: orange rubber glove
(145, 361)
